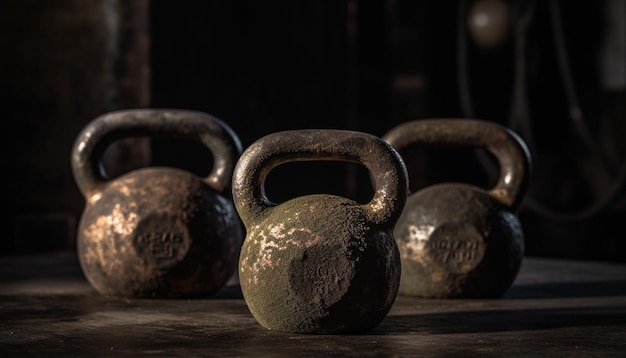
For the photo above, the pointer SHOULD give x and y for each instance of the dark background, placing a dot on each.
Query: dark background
(556, 77)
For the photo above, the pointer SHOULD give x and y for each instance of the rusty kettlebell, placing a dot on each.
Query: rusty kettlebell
(457, 240)
(157, 231)
(319, 263)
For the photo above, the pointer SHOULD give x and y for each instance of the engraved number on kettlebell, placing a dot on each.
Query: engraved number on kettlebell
(161, 244)
(458, 255)
(321, 278)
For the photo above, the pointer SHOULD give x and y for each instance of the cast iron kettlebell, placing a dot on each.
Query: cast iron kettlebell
(319, 263)
(157, 231)
(457, 240)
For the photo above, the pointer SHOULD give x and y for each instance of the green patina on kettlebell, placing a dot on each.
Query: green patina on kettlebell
(457, 240)
(319, 263)
(157, 231)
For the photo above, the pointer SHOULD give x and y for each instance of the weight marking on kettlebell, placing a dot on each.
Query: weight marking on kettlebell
(323, 283)
(162, 240)
(162, 245)
(320, 278)
(458, 255)
(321, 272)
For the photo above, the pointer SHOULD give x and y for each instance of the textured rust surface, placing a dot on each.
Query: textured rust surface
(314, 264)
(159, 232)
(319, 263)
(458, 240)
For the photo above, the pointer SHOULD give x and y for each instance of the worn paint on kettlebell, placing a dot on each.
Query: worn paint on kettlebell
(455, 239)
(319, 263)
(157, 231)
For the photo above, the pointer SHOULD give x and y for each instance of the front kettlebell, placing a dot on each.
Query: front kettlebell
(319, 263)
(457, 240)
(157, 231)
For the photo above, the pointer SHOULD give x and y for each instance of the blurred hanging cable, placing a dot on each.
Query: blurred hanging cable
(519, 117)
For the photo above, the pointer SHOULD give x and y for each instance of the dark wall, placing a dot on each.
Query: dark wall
(63, 63)
(267, 67)
(368, 66)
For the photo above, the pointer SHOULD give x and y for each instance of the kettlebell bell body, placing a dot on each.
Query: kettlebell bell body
(457, 240)
(157, 231)
(319, 263)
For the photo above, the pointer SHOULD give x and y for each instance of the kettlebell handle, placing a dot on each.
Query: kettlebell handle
(508, 148)
(388, 172)
(90, 144)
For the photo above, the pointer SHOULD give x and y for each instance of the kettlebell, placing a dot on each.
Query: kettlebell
(157, 231)
(458, 240)
(319, 264)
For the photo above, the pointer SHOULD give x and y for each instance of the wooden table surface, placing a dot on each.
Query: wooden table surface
(556, 308)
